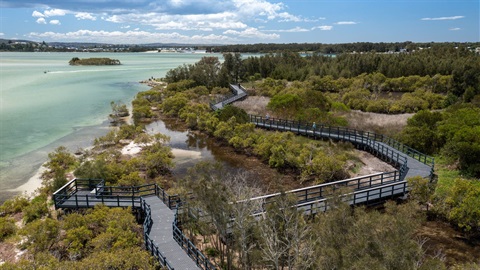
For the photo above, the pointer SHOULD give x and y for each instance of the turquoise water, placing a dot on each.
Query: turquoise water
(45, 103)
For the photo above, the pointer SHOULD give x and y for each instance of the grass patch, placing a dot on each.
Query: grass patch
(447, 175)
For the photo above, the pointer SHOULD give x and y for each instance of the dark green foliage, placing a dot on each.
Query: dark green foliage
(7, 227)
(180, 86)
(461, 205)
(93, 169)
(14, 205)
(454, 133)
(285, 105)
(41, 234)
(230, 111)
(212, 252)
(360, 239)
(36, 209)
(232, 69)
(172, 105)
(118, 110)
(60, 162)
(103, 238)
(461, 132)
(421, 132)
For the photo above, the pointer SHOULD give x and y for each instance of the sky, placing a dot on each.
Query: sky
(240, 21)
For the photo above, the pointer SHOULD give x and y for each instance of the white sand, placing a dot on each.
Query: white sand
(181, 153)
(35, 182)
(131, 149)
(184, 156)
(31, 186)
(134, 148)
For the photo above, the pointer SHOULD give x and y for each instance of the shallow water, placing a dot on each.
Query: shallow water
(45, 103)
(196, 147)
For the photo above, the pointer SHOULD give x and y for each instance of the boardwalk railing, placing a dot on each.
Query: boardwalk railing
(80, 193)
(86, 193)
(322, 191)
(355, 136)
(238, 92)
(193, 252)
(357, 197)
(169, 200)
(149, 243)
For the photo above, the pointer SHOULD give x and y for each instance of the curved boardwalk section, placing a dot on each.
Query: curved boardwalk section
(162, 233)
(162, 230)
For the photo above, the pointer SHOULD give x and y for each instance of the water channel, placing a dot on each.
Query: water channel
(191, 147)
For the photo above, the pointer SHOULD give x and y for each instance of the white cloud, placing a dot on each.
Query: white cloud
(85, 16)
(323, 27)
(125, 27)
(287, 17)
(134, 37)
(455, 29)
(55, 22)
(177, 3)
(41, 21)
(258, 7)
(37, 14)
(293, 30)
(205, 22)
(251, 33)
(2, 34)
(55, 12)
(346, 23)
(443, 18)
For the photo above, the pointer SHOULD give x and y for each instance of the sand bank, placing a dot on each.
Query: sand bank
(31, 186)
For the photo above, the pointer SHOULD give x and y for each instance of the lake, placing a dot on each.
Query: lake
(46, 103)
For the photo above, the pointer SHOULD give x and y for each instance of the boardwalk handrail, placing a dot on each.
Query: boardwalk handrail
(73, 186)
(313, 193)
(130, 196)
(149, 243)
(238, 92)
(193, 252)
(344, 133)
(356, 197)
(311, 199)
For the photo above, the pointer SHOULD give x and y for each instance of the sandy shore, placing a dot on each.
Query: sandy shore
(32, 185)
(132, 149)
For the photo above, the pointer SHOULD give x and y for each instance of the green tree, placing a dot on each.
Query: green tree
(285, 105)
(118, 110)
(213, 197)
(421, 190)
(36, 209)
(7, 227)
(462, 205)
(360, 239)
(59, 162)
(41, 235)
(421, 132)
(228, 111)
(461, 132)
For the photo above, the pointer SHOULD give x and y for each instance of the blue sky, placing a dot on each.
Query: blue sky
(240, 21)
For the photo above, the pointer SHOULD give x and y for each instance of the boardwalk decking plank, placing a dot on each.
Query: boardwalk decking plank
(161, 233)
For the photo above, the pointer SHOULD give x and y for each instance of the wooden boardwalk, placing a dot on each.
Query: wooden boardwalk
(368, 142)
(161, 234)
(159, 224)
(238, 93)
